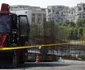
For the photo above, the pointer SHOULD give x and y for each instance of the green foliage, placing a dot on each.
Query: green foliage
(81, 28)
(34, 30)
(80, 22)
(81, 31)
(62, 31)
(68, 24)
(69, 33)
(72, 24)
(65, 24)
(74, 31)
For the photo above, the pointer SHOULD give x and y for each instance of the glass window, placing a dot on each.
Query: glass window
(24, 26)
(49, 10)
(79, 8)
(5, 21)
(84, 8)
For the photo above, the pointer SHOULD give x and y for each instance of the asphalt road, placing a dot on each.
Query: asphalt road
(66, 65)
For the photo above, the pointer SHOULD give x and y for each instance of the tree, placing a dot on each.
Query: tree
(75, 34)
(81, 32)
(72, 24)
(66, 23)
(72, 35)
(80, 22)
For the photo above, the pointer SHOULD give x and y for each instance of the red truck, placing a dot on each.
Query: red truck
(14, 31)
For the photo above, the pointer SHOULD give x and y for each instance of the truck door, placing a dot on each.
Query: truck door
(23, 29)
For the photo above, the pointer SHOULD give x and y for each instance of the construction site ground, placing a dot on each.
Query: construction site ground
(64, 65)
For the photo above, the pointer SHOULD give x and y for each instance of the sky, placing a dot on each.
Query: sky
(43, 3)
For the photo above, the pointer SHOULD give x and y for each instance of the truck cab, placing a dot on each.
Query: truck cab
(14, 32)
(14, 27)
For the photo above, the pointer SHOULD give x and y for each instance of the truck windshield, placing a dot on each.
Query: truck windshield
(5, 23)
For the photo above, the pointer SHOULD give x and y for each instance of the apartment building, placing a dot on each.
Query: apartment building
(56, 13)
(80, 11)
(37, 14)
(60, 13)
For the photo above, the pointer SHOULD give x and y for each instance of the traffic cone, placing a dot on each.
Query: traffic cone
(37, 59)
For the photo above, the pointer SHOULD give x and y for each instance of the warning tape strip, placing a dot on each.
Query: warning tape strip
(16, 48)
(40, 46)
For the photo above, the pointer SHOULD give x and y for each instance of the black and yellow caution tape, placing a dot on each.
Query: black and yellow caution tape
(40, 46)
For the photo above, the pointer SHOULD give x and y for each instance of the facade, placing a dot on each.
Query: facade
(80, 11)
(63, 13)
(71, 17)
(56, 13)
(37, 14)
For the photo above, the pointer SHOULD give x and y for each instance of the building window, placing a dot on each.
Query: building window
(71, 12)
(56, 20)
(33, 19)
(61, 13)
(53, 10)
(52, 18)
(44, 16)
(57, 12)
(79, 8)
(83, 4)
(39, 15)
(83, 16)
(33, 15)
(83, 8)
(80, 17)
(49, 10)
(42, 9)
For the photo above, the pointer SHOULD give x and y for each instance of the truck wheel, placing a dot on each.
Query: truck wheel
(15, 62)
(21, 61)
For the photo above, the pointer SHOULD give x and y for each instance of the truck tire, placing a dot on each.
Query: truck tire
(21, 61)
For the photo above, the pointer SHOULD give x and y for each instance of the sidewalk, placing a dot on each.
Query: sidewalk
(73, 62)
